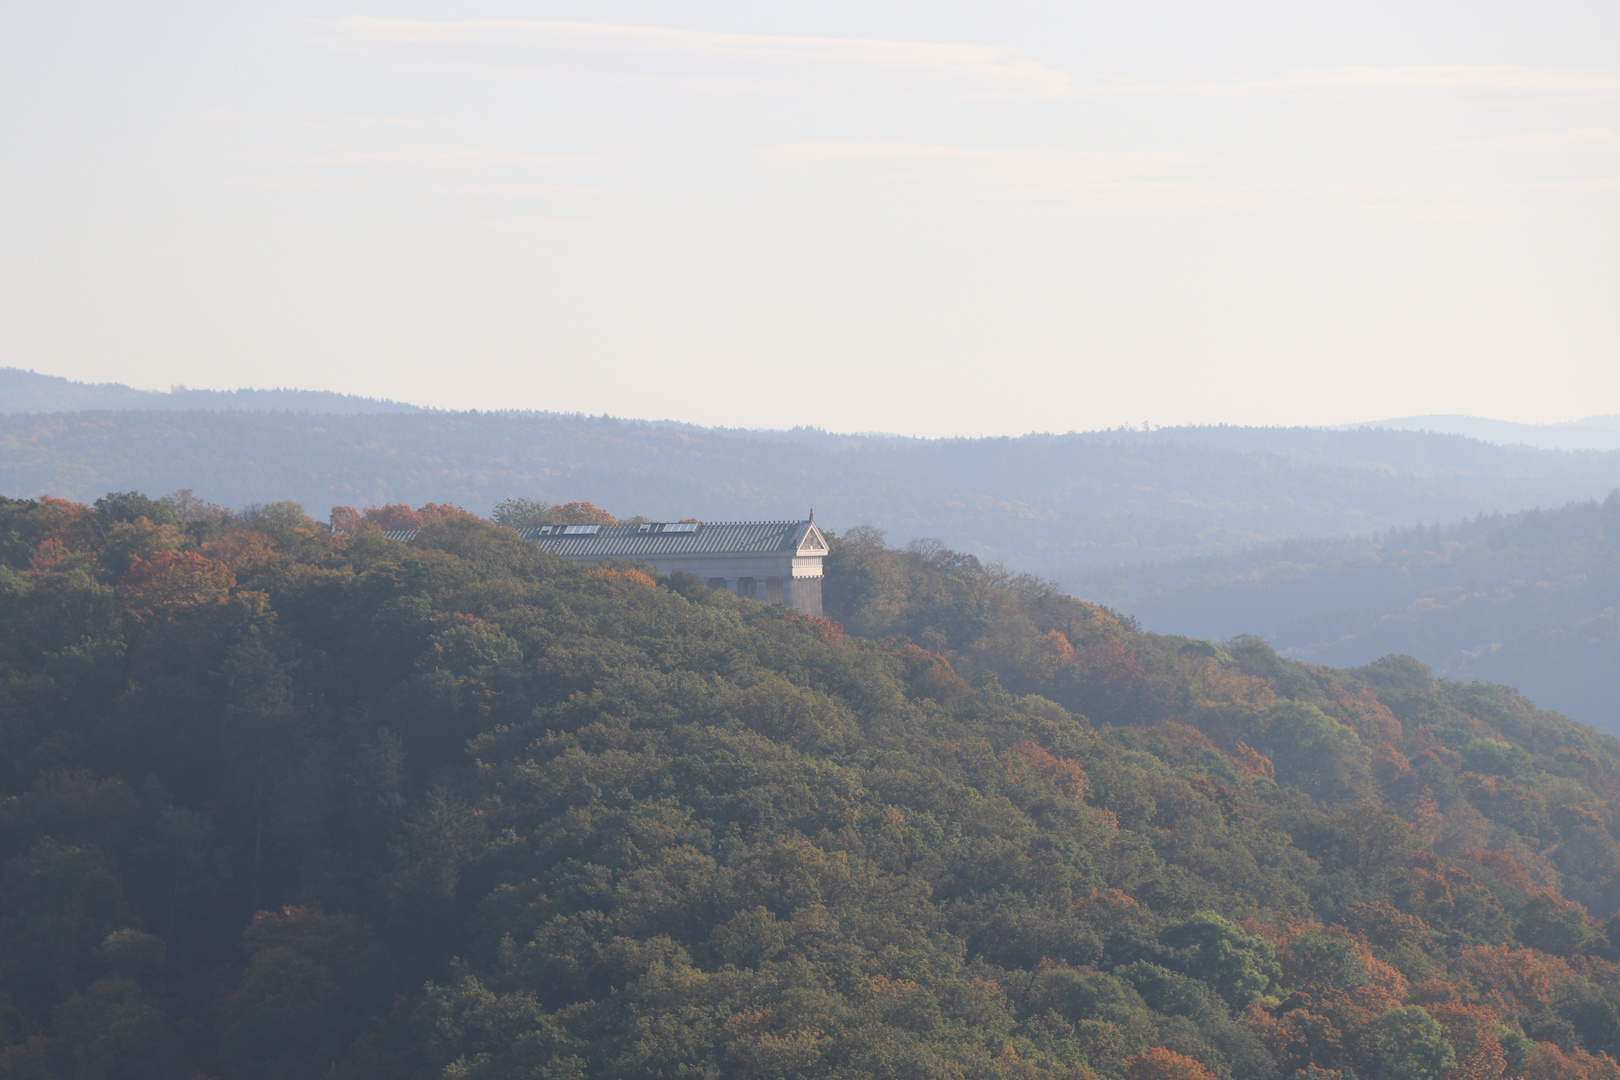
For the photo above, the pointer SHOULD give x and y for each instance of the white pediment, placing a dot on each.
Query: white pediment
(812, 543)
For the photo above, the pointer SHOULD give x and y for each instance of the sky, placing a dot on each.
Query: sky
(927, 218)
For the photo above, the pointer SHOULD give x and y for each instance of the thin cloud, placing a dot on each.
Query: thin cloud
(1071, 162)
(1473, 79)
(292, 181)
(995, 69)
(1575, 140)
(446, 159)
(537, 191)
(1405, 201)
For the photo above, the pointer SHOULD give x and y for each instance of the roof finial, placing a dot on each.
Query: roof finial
(812, 515)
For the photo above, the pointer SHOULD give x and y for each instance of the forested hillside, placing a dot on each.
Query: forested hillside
(1526, 599)
(275, 803)
(1056, 505)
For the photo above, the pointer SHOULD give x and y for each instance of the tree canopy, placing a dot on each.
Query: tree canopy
(278, 802)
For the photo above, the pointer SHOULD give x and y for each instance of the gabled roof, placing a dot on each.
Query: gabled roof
(709, 538)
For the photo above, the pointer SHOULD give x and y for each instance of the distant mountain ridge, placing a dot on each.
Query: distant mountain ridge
(1056, 505)
(23, 391)
(1531, 600)
(1589, 433)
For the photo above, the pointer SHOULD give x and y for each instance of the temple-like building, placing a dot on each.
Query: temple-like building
(778, 562)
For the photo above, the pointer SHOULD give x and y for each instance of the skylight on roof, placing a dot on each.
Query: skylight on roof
(681, 526)
(580, 530)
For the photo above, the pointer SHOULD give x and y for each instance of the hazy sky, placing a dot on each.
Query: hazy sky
(932, 218)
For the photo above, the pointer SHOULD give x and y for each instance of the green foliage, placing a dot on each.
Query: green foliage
(131, 506)
(279, 803)
(1405, 1044)
(1239, 966)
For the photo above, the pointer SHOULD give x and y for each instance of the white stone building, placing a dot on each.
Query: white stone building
(773, 561)
(778, 562)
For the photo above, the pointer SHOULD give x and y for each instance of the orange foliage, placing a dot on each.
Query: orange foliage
(1444, 894)
(72, 523)
(172, 583)
(1517, 980)
(1425, 816)
(50, 551)
(1108, 909)
(582, 513)
(1502, 865)
(1389, 765)
(1251, 762)
(627, 576)
(1368, 717)
(1108, 661)
(394, 516)
(1298, 1038)
(241, 550)
(1471, 1031)
(823, 629)
(1548, 1062)
(1181, 737)
(351, 522)
(1444, 756)
(1162, 1064)
(1381, 924)
(1502, 800)
(1054, 652)
(928, 675)
(1060, 772)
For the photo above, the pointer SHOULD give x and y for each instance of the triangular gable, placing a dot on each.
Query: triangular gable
(812, 542)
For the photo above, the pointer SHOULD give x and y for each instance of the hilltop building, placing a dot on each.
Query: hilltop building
(778, 562)
(773, 561)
